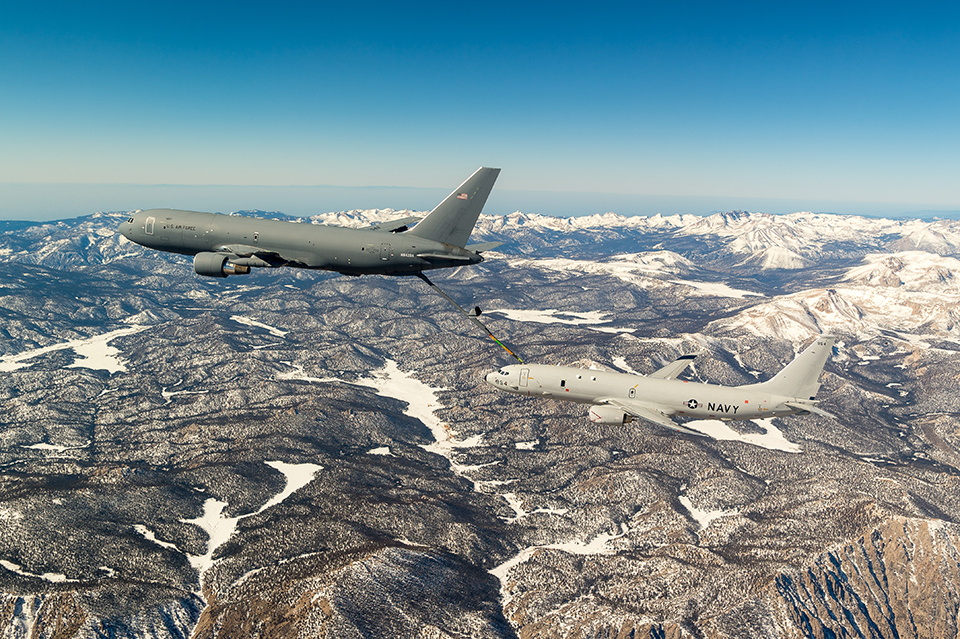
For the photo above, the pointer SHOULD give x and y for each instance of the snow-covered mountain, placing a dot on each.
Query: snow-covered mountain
(912, 270)
(295, 453)
(754, 241)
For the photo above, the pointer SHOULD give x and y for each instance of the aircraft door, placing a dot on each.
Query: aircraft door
(524, 376)
(384, 252)
(148, 226)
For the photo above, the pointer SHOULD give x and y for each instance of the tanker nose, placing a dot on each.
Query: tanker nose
(126, 227)
(489, 377)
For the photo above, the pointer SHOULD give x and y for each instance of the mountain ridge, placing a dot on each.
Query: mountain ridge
(454, 510)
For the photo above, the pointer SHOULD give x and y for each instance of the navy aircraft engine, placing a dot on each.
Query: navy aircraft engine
(609, 415)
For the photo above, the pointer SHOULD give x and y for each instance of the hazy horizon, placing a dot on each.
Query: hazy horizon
(47, 202)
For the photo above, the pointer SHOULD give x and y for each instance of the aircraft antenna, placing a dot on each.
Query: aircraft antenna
(470, 315)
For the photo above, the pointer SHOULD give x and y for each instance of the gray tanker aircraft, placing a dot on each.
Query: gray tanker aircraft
(225, 245)
(619, 398)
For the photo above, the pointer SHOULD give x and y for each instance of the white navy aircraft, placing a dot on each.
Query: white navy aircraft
(619, 398)
(225, 245)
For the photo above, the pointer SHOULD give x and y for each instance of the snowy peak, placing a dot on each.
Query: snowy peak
(913, 270)
(942, 237)
(358, 218)
(738, 242)
(658, 262)
(864, 312)
(751, 240)
(774, 257)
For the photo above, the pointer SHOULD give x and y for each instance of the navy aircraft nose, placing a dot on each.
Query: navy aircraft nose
(489, 377)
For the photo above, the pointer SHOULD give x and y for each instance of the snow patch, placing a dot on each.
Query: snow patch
(169, 395)
(219, 529)
(149, 536)
(621, 363)
(551, 316)
(773, 439)
(519, 513)
(611, 329)
(640, 269)
(240, 319)
(422, 403)
(717, 289)
(52, 577)
(297, 374)
(704, 517)
(596, 546)
(93, 352)
(9, 514)
(53, 448)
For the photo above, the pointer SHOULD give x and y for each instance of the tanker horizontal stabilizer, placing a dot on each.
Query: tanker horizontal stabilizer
(484, 246)
(393, 226)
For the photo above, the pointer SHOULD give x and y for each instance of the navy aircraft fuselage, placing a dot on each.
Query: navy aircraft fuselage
(619, 398)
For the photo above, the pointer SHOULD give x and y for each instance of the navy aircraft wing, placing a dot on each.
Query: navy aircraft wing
(649, 413)
(674, 368)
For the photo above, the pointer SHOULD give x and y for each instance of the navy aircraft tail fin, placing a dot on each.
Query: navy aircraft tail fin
(800, 377)
(452, 221)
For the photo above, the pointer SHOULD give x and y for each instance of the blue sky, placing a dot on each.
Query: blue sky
(642, 107)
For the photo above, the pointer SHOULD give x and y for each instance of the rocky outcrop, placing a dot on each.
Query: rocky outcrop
(900, 580)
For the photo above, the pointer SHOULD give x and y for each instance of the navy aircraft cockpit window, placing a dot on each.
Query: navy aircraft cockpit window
(130, 220)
